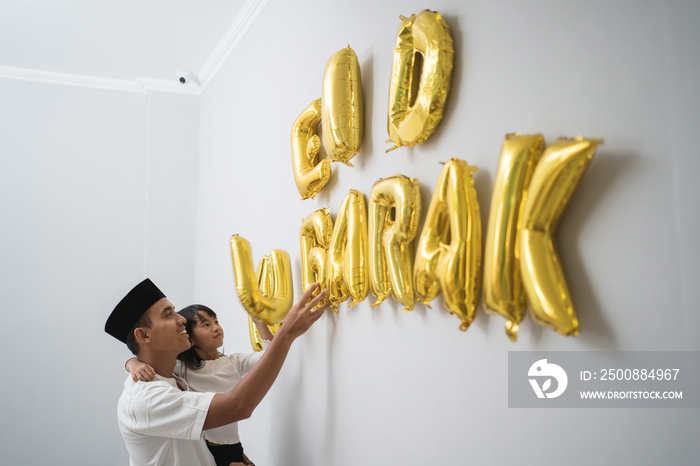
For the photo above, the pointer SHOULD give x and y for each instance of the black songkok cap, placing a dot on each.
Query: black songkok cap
(131, 308)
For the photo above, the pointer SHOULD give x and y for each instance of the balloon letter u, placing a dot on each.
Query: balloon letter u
(271, 307)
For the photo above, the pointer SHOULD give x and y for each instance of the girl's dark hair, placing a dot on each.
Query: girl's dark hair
(191, 313)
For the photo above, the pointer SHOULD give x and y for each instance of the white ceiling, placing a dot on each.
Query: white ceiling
(120, 41)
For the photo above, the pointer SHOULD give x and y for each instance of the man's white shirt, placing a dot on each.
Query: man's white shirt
(162, 425)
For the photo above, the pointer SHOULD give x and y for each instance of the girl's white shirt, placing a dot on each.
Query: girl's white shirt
(220, 376)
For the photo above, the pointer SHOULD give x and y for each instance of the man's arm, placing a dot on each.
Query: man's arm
(239, 403)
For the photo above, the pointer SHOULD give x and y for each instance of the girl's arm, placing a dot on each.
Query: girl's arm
(263, 330)
(240, 402)
(139, 370)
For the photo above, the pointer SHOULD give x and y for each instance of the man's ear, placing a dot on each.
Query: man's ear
(141, 335)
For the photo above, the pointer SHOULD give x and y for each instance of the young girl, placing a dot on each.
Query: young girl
(205, 369)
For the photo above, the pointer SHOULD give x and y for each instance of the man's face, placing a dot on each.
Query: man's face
(167, 333)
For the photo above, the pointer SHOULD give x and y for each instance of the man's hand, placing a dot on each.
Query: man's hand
(239, 403)
(305, 312)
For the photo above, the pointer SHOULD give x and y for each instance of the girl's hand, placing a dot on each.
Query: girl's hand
(140, 370)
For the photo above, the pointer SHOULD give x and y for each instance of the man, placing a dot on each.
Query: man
(160, 422)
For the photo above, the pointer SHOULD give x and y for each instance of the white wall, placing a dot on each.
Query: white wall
(101, 188)
(378, 386)
(97, 191)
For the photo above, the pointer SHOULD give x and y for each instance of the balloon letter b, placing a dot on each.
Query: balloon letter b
(314, 240)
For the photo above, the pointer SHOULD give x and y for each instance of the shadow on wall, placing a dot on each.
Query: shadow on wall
(367, 147)
(453, 99)
(286, 427)
(331, 400)
(606, 170)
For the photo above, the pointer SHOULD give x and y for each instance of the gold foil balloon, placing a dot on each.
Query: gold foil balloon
(347, 271)
(255, 339)
(503, 290)
(448, 256)
(394, 217)
(314, 240)
(270, 307)
(342, 107)
(310, 174)
(264, 278)
(420, 78)
(556, 176)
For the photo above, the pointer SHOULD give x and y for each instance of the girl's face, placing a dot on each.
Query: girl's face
(207, 335)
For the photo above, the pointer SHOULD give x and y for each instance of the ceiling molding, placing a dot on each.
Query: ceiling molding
(51, 77)
(164, 85)
(245, 19)
(243, 22)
